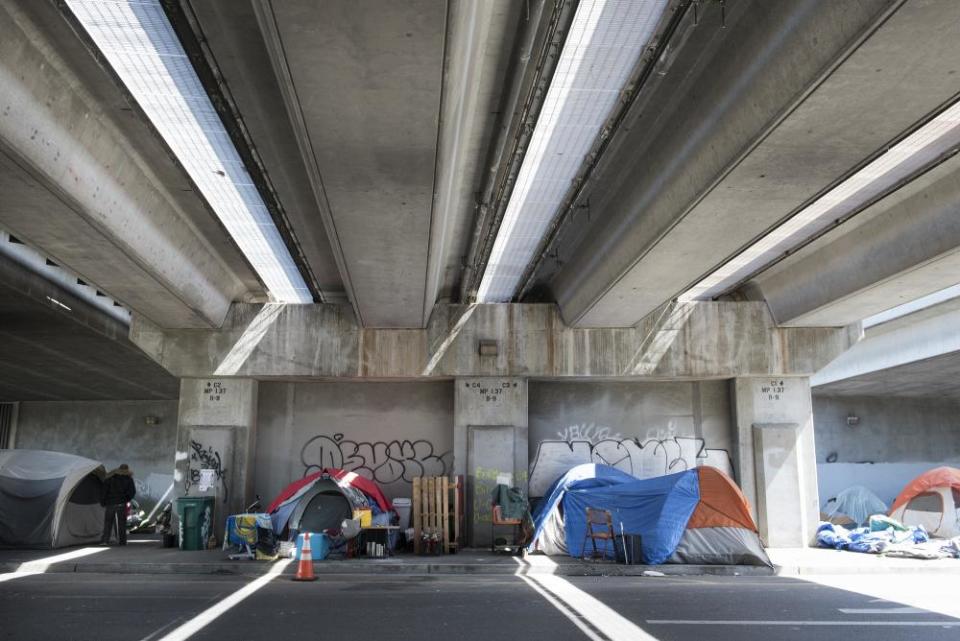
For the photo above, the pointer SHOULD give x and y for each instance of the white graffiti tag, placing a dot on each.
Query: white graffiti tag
(587, 432)
(649, 458)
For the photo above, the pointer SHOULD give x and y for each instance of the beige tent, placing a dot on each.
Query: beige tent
(49, 499)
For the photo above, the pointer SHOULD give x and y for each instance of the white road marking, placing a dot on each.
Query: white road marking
(597, 620)
(39, 566)
(899, 610)
(207, 617)
(926, 624)
(564, 610)
(150, 597)
(931, 592)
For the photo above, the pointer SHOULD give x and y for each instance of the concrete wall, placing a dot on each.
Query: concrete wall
(646, 429)
(112, 432)
(895, 440)
(390, 432)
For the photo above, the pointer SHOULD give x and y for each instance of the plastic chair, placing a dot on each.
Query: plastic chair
(599, 527)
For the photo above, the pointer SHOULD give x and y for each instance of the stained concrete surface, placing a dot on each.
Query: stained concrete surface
(107, 607)
(388, 431)
(890, 430)
(111, 432)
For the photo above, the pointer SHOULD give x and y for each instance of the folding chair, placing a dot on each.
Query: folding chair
(599, 527)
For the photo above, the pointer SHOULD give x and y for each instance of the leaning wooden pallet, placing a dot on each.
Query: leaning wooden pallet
(435, 526)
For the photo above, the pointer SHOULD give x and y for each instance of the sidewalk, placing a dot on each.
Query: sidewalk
(805, 561)
(145, 555)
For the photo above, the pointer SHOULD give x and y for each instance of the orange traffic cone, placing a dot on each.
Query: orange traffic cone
(305, 568)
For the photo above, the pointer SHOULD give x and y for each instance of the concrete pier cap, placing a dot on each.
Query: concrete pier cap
(697, 340)
(769, 369)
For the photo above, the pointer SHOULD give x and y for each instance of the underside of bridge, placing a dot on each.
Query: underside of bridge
(371, 221)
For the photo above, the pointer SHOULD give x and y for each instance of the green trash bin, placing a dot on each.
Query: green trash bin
(195, 514)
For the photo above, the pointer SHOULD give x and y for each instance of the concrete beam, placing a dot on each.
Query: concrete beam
(480, 44)
(230, 30)
(696, 341)
(367, 124)
(114, 208)
(903, 247)
(895, 345)
(57, 346)
(747, 124)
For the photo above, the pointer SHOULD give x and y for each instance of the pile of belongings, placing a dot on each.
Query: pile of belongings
(889, 537)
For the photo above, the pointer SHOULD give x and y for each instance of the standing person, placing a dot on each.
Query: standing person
(118, 489)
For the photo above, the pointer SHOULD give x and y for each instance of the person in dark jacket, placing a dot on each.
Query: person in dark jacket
(118, 490)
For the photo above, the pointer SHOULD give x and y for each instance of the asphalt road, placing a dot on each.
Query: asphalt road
(456, 608)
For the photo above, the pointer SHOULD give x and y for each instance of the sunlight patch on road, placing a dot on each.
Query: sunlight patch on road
(597, 620)
(927, 591)
(39, 566)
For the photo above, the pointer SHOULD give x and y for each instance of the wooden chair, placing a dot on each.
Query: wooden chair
(599, 528)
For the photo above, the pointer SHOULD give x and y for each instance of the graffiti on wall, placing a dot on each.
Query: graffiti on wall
(643, 459)
(205, 458)
(588, 432)
(382, 461)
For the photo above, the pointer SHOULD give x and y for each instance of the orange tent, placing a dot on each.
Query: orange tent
(931, 500)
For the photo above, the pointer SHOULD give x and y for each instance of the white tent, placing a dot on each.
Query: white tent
(49, 499)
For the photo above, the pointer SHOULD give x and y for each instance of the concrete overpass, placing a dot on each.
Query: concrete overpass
(737, 186)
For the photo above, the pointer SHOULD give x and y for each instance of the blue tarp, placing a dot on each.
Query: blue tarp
(657, 509)
(582, 476)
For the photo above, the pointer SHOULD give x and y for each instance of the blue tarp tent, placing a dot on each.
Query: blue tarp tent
(695, 516)
(657, 509)
(580, 477)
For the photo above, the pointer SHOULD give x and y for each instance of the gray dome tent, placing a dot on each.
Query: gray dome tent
(49, 499)
(325, 505)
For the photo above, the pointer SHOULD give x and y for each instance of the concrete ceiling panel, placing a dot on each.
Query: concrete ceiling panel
(788, 99)
(368, 78)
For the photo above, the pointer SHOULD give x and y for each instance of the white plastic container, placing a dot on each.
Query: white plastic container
(402, 506)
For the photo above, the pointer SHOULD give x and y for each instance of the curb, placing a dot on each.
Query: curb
(373, 568)
(343, 568)
(792, 570)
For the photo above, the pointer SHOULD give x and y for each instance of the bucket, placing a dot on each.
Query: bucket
(402, 507)
(633, 554)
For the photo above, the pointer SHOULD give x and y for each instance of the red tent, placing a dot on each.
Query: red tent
(352, 479)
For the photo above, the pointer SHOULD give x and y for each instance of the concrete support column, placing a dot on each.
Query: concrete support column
(775, 458)
(490, 444)
(216, 431)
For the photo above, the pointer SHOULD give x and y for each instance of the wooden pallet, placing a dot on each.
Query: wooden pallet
(437, 511)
